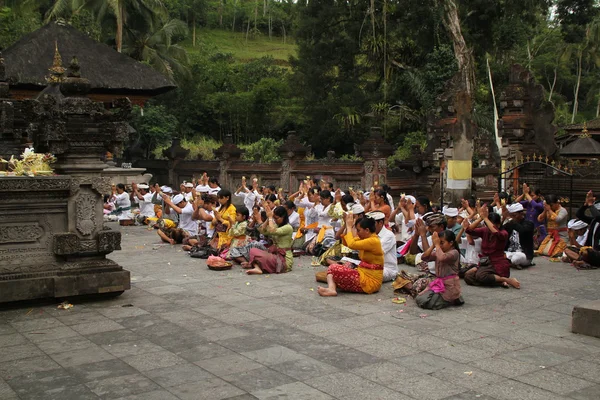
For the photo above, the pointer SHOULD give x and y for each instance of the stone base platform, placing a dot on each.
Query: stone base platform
(586, 319)
(59, 284)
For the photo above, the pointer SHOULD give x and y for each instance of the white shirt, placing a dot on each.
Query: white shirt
(430, 264)
(188, 196)
(214, 191)
(186, 222)
(249, 199)
(210, 230)
(146, 206)
(388, 245)
(294, 220)
(122, 200)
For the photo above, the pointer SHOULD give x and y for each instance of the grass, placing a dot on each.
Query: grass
(235, 43)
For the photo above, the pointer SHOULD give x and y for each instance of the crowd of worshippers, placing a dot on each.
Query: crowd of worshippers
(363, 236)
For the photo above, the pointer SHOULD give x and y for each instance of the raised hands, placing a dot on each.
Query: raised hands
(483, 211)
(435, 239)
(590, 199)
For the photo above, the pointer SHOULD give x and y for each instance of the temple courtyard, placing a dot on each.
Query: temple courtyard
(185, 332)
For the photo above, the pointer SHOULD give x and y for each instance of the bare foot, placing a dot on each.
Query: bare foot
(254, 271)
(514, 283)
(505, 285)
(186, 248)
(172, 241)
(245, 265)
(325, 292)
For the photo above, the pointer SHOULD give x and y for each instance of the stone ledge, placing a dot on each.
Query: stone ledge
(586, 319)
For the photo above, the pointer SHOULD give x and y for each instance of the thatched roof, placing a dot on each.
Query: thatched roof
(585, 146)
(27, 62)
(593, 124)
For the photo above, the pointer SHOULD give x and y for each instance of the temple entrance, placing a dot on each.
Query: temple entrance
(549, 178)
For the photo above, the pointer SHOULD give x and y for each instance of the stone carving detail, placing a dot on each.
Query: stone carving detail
(66, 244)
(86, 213)
(86, 246)
(285, 174)
(109, 241)
(20, 233)
(369, 167)
(34, 184)
(382, 165)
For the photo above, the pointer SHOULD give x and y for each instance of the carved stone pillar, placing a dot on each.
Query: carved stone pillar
(291, 151)
(375, 151)
(227, 154)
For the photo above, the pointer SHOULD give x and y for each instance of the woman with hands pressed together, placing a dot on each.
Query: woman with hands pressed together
(494, 267)
(224, 218)
(278, 258)
(368, 276)
(443, 291)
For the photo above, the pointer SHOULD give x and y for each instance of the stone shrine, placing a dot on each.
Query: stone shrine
(53, 242)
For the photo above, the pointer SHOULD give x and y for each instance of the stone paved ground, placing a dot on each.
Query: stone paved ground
(185, 332)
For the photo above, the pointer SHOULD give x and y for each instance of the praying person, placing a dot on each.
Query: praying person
(556, 218)
(519, 249)
(185, 210)
(368, 275)
(494, 267)
(444, 291)
(278, 258)
(223, 218)
(388, 245)
(238, 233)
(122, 203)
(451, 215)
(143, 197)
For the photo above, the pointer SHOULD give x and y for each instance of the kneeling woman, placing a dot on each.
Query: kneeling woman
(368, 276)
(443, 291)
(278, 258)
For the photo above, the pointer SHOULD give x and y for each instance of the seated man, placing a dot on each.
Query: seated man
(421, 240)
(388, 245)
(143, 197)
(519, 249)
(186, 212)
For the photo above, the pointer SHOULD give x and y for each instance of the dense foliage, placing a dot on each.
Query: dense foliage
(358, 63)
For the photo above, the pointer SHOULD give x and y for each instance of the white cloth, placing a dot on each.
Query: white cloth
(186, 222)
(214, 191)
(450, 211)
(202, 188)
(403, 235)
(122, 201)
(390, 259)
(582, 238)
(249, 199)
(178, 198)
(430, 264)
(517, 258)
(188, 197)
(576, 224)
(472, 251)
(515, 208)
(146, 205)
(208, 226)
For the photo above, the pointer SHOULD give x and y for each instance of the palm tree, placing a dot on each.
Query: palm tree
(155, 47)
(150, 10)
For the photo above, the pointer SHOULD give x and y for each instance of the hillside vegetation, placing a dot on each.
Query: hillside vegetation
(242, 50)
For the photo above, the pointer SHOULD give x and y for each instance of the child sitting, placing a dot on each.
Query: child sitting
(443, 291)
(237, 231)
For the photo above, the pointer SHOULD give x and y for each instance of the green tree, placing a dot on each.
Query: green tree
(154, 127)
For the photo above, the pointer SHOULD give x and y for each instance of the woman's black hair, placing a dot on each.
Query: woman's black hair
(214, 180)
(424, 202)
(367, 223)
(386, 188)
(347, 198)
(281, 212)
(271, 197)
(551, 199)
(272, 188)
(225, 193)
(506, 196)
(326, 194)
(316, 181)
(450, 237)
(243, 210)
(263, 215)
(106, 197)
(495, 218)
(383, 194)
(535, 191)
(121, 186)
(290, 205)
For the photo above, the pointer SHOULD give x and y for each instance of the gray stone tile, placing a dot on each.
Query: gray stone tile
(504, 367)
(467, 376)
(77, 392)
(64, 344)
(12, 339)
(44, 335)
(589, 393)
(341, 356)
(349, 386)
(57, 384)
(27, 366)
(384, 373)
(258, 379)
(305, 368)
(223, 334)
(427, 362)
(120, 386)
(84, 356)
(292, 391)
(177, 375)
(470, 396)
(568, 347)
(460, 352)
(238, 317)
(510, 390)
(17, 352)
(6, 329)
(148, 361)
(228, 365)
(204, 352)
(426, 387)
(153, 395)
(112, 337)
(139, 321)
(533, 355)
(250, 342)
(122, 312)
(97, 327)
(581, 369)
(101, 370)
(133, 348)
(273, 355)
(166, 289)
(554, 381)
(82, 318)
(29, 325)
(215, 389)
